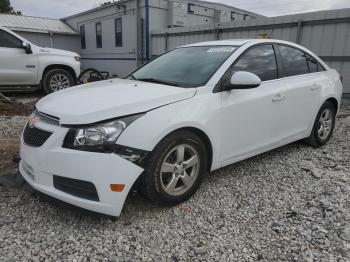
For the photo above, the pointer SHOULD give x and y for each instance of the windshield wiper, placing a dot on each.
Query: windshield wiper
(157, 81)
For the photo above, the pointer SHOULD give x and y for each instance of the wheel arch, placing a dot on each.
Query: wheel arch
(59, 66)
(203, 136)
(334, 102)
(330, 99)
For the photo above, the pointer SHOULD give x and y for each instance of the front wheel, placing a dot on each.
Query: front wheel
(323, 126)
(176, 168)
(57, 79)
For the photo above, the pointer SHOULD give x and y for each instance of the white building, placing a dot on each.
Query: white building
(116, 37)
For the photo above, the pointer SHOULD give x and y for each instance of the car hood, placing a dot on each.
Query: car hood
(94, 102)
(53, 51)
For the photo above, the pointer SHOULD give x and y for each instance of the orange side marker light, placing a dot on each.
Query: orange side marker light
(117, 187)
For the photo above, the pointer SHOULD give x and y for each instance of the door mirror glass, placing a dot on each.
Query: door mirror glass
(27, 47)
(244, 80)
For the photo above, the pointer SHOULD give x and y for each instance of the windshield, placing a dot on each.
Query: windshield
(185, 67)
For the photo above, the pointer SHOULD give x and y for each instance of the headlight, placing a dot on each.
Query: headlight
(100, 137)
(77, 58)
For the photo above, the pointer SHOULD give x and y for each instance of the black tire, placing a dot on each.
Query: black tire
(151, 181)
(51, 74)
(315, 139)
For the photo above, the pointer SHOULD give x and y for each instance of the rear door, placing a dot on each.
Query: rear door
(16, 67)
(300, 91)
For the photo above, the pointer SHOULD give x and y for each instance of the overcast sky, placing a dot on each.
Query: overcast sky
(63, 8)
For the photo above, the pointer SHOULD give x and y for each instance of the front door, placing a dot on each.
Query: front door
(250, 117)
(16, 67)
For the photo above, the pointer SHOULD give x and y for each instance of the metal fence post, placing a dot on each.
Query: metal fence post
(138, 33)
(166, 42)
(51, 39)
(218, 32)
(300, 24)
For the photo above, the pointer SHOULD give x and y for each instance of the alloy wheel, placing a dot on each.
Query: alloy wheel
(179, 170)
(59, 82)
(325, 124)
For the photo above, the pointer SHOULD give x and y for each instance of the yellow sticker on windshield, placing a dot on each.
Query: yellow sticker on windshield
(223, 49)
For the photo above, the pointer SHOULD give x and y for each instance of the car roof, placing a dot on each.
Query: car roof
(251, 42)
(237, 42)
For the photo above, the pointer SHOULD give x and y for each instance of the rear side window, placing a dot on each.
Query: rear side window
(9, 41)
(293, 60)
(320, 67)
(312, 64)
(98, 35)
(259, 60)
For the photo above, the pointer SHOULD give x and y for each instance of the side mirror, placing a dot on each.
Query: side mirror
(27, 47)
(243, 80)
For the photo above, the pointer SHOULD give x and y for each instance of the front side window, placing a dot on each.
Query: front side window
(118, 32)
(98, 35)
(82, 37)
(185, 67)
(293, 60)
(9, 41)
(259, 60)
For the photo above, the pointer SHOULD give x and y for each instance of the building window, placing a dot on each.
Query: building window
(118, 32)
(98, 35)
(190, 8)
(82, 37)
(233, 15)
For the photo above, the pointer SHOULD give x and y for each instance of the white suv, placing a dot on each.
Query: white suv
(25, 64)
(190, 111)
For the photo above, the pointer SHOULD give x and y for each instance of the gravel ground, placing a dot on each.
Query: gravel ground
(12, 120)
(290, 204)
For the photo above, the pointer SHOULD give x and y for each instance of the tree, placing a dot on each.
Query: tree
(6, 8)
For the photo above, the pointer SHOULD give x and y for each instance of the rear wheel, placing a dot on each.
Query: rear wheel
(323, 126)
(176, 168)
(57, 79)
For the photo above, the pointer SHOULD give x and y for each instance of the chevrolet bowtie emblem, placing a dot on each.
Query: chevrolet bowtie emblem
(33, 121)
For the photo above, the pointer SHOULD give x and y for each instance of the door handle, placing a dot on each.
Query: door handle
(278, 98)
(314, 87)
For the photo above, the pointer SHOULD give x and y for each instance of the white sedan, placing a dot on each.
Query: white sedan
(190, 111)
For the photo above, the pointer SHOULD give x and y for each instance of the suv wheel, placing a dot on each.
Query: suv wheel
(176, 168)
(57, 79)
